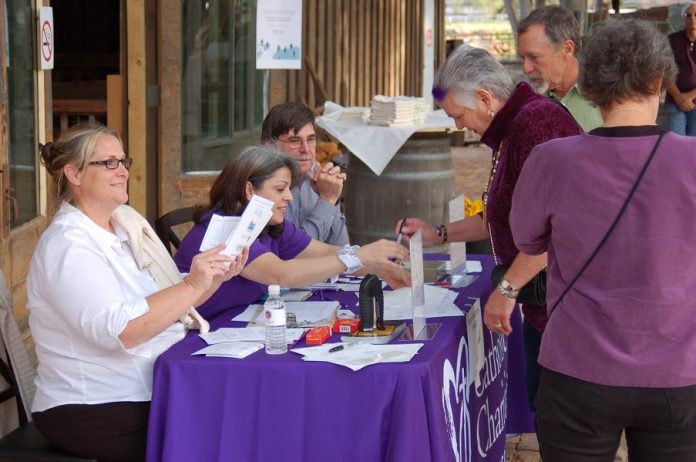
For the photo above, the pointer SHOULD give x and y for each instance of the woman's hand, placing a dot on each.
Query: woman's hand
(412, 226)
(209, 265)
(236, 266)
(395, 278)
(382, 253)
(497, 312)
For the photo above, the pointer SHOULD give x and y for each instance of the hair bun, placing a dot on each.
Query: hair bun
(47, 154)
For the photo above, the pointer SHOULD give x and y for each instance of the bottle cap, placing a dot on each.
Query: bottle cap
(274, 289)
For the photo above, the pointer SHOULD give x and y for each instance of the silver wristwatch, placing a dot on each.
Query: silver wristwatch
(506, 289)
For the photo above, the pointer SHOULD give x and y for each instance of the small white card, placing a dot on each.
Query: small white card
(457, 250)
(474, 336)
(417, 282)
(236, 350)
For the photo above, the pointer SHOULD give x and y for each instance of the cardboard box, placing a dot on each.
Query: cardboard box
(346, 326)
(318, 335)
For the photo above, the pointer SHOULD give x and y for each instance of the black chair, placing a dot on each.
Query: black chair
(164, 224)
(25, 443)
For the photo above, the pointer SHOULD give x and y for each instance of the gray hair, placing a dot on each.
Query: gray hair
(686, 7)
(559, 25)
(624, 58)
(468, 69)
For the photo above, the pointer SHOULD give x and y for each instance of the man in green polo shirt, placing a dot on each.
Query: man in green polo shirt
(548, 41)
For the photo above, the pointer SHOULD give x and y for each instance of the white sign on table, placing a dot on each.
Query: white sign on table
(417, 282)
(474, 337)
(279, 34)
(457, 250)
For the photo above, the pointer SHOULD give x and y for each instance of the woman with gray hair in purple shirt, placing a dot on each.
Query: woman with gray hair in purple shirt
(619, 350)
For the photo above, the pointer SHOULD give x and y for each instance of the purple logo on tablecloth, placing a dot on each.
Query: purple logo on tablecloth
(454, 387)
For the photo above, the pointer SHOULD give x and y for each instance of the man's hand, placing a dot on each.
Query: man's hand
(329, 182)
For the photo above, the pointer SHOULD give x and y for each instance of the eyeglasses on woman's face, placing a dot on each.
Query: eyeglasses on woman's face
(112, 163)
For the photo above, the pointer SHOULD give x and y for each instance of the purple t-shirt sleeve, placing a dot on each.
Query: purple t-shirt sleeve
(189, 247)
(528, 218)
(287, 246)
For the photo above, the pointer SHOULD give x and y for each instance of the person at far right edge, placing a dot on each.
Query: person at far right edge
(618, 352)
(681, 95)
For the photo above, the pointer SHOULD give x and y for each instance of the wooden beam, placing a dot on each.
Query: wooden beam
(114, 103)
(137, 104)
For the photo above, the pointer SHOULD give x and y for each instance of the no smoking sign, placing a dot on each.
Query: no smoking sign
(46, 38)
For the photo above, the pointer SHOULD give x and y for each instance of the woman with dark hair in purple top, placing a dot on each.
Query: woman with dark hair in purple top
(478, 93)
(283, 254)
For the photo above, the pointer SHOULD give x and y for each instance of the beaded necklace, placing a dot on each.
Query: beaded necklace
(494, 167)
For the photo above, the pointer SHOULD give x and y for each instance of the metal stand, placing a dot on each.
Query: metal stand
(428, 333)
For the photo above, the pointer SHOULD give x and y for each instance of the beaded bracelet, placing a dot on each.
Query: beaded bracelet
(441, 232)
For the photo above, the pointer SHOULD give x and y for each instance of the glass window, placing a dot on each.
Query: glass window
(221, 88)
(22, 122)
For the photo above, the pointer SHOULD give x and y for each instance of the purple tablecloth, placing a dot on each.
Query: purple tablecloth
(269, 408)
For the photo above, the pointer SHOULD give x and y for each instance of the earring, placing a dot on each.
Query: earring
(491, 114)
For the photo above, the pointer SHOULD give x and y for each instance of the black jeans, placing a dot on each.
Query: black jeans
(582, 421)
(110, 432)
(532, 345)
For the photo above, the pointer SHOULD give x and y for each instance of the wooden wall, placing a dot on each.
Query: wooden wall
(359, 48)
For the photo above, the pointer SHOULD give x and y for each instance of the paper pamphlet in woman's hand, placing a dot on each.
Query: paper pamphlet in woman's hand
(238, 232)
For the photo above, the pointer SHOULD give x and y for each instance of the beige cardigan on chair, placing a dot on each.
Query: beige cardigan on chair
(151, 255)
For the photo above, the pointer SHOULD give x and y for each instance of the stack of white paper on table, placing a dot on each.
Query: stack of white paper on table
(230, 342)
(307, 314)
(439, 303)
(397, 110)
(354, 114)
(355, 356)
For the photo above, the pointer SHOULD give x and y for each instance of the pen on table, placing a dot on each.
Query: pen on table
(336, 348)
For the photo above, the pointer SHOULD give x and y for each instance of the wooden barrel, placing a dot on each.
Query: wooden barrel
(418, 182)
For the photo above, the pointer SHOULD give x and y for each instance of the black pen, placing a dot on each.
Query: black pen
(401, 228)
(336, 348)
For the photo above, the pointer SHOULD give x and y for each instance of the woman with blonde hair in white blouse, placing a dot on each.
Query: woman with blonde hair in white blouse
(105, 300)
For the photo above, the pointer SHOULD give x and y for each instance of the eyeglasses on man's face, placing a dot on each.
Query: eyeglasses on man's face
(690, 15)
(112, 163)
(295, 142)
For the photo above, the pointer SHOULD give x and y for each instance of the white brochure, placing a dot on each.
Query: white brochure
(245, 231)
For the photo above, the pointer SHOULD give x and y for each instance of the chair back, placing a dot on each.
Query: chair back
(15, 365)
(24, 443)
(165, 223)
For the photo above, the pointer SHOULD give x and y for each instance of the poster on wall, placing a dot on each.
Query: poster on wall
(279, 34)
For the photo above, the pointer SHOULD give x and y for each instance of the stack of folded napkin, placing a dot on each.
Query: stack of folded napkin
(397, 110)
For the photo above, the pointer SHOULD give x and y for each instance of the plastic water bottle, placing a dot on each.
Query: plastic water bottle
(275, 314)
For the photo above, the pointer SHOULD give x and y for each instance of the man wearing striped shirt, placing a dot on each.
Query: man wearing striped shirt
(548, 41)
(315, 206)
